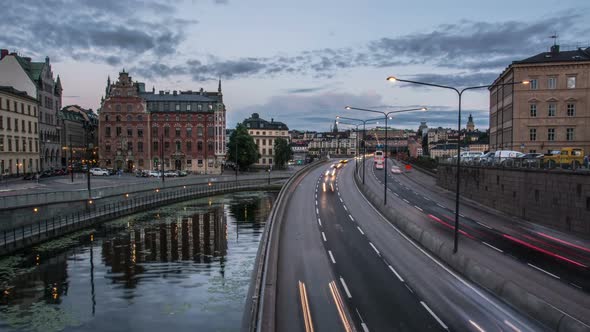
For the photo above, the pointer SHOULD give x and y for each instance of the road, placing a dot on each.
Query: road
(387, 282)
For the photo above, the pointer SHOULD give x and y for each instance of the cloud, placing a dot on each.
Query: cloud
(109, 31)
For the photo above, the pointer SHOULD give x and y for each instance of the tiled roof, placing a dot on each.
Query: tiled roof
(558, 56)
(255, 122)
(15, 92)
(190, 97)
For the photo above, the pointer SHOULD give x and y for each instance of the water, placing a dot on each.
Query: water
(176, 268)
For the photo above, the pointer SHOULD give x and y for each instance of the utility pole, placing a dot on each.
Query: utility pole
(162, 157)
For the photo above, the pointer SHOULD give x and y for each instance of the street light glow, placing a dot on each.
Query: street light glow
(526, 82)
(392, 79)
(347, 107)
(424, 109)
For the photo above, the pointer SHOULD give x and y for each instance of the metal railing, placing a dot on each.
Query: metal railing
(18, 237)
(520, 163)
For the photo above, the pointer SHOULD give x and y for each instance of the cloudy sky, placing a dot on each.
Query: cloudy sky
(300, 61)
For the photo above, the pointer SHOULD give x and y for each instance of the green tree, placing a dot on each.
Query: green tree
(247, 150)
(283, 152)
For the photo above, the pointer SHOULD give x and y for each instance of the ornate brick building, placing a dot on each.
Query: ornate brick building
(139, 130)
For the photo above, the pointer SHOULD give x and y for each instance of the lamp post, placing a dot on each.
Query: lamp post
(364, 138)
(386, 115)
(460, 95)
(88, 129)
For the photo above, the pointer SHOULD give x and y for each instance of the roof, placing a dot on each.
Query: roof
(206, 97)
(558, 56)
(255, 122)
(33, 69)
(18, 93)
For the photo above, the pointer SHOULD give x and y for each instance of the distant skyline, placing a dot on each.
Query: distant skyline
(297, 62)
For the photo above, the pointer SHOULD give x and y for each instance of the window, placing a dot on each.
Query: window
(199, 146)
(9, 143)
(107, 148)
(140, 162)
(552, 107)
(155, 146)
(177, 118)
(107, 131)
(1, 145)
(533, 83)
(16, 125)
(200, 108)
(533, 134)
(189, 131)
(166, 131)
(258, 142)
(154, 117)
(129, 118)
(16, 144)
(188, 147)
(263, 141)
(118, 118)
(270, 161)
(1, 122)
(571, 82)
(551, 134)
(129, 132)
(139, 146)
(177, 144)
(177, 131)
(166, 145)
(118, 108)
(188, 107)
(155, 131)
(264, 151)
(189, 163)
(118, 131)
(22, 126)
(177, 107)
(129, 146)
(270, 151)
(199, 131)
(552, 83)
(571, 109)
(210, 107)
(139, 132)
(35, 127)
(264, 160)
(30, 127)
(210, 146)
(129, 107)
(210, 131)
(569, 134)
(140, 118)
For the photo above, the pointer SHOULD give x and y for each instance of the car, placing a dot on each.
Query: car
(506, 157)
(181, 173)
(339, 165)
(169, 174)
(333, 165)
(531, 160)
(154, 173)
(378, 165)
(396, 170)
(99, 171)
(46, 174)
(484, 160)
(112, 171)
(344, 161)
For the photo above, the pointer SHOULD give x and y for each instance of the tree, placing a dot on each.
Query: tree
(283, 152)
(247, 150)
(425, 147)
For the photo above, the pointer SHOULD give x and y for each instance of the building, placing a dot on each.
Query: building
(423, 128)
(36, 79)
(184, 130)
(550, 112)
(470, 124)
(333, 143)
(264, 134)
(79, 139)
(443, 150)
(19, 137)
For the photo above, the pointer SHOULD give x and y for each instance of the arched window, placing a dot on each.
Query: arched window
(140, 118)
(129, 118)
(106, 117)
(118, 119)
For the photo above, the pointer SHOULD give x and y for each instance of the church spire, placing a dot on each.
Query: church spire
(219, 87)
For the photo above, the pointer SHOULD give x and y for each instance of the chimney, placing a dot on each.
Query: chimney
(3, 53)
(555, 49)
(272, 120)
(161, 92)
(174, 92)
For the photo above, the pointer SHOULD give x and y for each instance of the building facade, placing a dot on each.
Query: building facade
(19, 137)
(265, 133)
(26, 75)
(550, 112)
(79, 137)
(183, 130)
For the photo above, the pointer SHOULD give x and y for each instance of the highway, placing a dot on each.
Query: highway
(552, 253)
(334, 239)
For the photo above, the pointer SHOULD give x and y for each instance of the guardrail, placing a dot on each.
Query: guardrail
(20, 237)
(37, 199)
(518, 163)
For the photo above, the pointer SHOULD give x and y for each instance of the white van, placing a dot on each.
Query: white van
(502, 156)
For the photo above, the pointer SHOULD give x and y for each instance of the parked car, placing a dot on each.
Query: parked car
(111, 171)
(169, 174)
(506, 157)
(468, 157)
(484, 160)
(99, 171)
(568, 157)
(531, 160)
(182, 173)
(154, 173)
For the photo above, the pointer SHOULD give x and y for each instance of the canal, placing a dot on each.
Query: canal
(180, 267)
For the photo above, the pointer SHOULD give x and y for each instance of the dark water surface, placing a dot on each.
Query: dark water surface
(183, 267)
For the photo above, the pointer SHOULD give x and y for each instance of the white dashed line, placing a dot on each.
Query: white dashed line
(341, 201)
(405, 200)
(332, 257)
(351, 218)
(409, 288)
(462, 216)
(324, 236)
(418, 208)
(319, 222)
(476, 326)
(434, 315)
(512, 326)
(484, 225)
(491, 246)
(426, 198)
(345, 288)
(396, 194)
(540, 269)
(365, 328)
(577, 286)
(440, 205)
(360, 230)
(396, 274)
(317, 211)
(316, 202)
(345, 207)
(377, 251)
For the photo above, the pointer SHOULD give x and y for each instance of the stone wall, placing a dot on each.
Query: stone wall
(559, 199)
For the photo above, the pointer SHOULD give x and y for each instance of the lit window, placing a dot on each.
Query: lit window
(571, 82)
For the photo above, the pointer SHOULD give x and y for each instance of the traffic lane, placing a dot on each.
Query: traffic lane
(459, 303)
(303, 258)
(543, 235)
(380, 300)
(556, 261)
(563, 296)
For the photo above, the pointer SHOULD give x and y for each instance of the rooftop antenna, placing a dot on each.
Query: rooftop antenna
(554, 37)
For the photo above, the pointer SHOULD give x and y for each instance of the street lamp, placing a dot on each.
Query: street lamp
(364, 138)
(386, 115)
(89, 129)
(460, 94)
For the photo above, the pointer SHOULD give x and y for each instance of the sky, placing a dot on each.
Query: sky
(299, 62)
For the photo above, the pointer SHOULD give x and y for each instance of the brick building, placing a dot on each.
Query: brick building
(139, 129)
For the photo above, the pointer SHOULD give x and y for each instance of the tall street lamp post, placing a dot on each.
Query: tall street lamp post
(460, 95)
(89, 129)
(386, 115)
(364, 138)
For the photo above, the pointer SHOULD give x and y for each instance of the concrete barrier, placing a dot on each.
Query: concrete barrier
(478, 272)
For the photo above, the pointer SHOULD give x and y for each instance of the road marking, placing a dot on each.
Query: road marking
(305, 308)
(491, 246)
(351, 218)
(320, 222)
(512, 326)
(440, 205)
(317, 211)
(577, 286)
(339, 306)
(396, 274)
(476, 326)
(374, 248)
(484, 225)
(365, 328)
(345, 207)
(416, 193)
(418, 208)
(540, 269)
(426, 198)
(409, 288)
(405, 200)
(389, 189)
(316, 202)
(316, 195)
(332, 257)
(324, 236)
(345, 288)
(462, 216)
(360, 230)
(341, 201)
(396, 194)
(434, 315)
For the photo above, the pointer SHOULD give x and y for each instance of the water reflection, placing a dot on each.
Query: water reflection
(180, 267)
